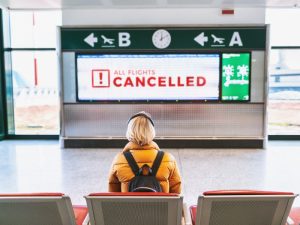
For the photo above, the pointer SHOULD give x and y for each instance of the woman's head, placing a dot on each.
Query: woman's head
(140, 128)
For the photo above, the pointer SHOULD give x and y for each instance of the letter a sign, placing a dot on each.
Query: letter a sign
(236, 39)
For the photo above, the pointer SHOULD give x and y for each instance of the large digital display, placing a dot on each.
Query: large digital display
(235, 77)
(147, 77)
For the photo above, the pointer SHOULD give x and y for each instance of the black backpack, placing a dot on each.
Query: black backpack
(144, 183)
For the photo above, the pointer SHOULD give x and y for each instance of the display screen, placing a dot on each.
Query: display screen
(235, 77)
(148, 77)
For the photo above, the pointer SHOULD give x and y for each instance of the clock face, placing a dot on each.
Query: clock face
(161, 38)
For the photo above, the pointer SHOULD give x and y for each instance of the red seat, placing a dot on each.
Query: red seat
(134, 208)
(41, 208)
(193, 210)
(242, 207)
(136, 194)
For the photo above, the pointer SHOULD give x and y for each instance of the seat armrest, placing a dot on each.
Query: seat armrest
(81, 215)
(186, 215)
(289, 221)
(86, 220)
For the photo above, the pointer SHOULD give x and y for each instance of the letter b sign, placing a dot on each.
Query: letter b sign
(124, 39)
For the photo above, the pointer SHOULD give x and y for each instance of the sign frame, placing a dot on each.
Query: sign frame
(219, 100)
(250, 37)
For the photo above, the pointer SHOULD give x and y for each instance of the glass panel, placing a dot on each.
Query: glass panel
(35, 92)
(284, 92)
(2, 94)
(34, 29)
(9, 94)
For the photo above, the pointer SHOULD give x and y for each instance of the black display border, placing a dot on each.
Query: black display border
(219, 100)
(250, 72)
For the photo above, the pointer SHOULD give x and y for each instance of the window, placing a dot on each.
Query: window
(34, 73)
(34, 29)
(35, 92)
(284, 67)
(284, 92)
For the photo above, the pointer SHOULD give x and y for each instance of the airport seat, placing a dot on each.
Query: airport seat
(40, 209)
(134, 208)
(242, 207)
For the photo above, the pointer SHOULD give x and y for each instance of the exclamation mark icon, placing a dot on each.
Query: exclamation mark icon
(100, 78)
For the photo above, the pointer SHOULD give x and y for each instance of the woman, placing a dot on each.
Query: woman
(140, 134)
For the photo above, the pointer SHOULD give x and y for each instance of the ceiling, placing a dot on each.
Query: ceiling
(79, 4)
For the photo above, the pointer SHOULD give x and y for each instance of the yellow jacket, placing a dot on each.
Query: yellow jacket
(121, 173)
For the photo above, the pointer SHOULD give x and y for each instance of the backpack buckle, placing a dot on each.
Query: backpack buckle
(145, 170)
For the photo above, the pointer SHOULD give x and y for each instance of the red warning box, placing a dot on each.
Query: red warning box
(100, 78)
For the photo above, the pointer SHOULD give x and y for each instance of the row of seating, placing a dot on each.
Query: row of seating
(214, 208)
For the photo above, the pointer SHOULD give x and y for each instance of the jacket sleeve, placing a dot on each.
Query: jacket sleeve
(114, 184)
(175, 180)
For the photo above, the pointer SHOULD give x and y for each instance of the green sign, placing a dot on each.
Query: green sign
(235, 77)
(153, 39)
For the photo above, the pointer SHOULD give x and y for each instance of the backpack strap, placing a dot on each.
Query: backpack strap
(132, 163)
(157, 161)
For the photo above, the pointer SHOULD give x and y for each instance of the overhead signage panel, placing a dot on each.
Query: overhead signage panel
(164, 38)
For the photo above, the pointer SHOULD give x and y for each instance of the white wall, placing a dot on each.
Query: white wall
(170, 16)
(284, 26)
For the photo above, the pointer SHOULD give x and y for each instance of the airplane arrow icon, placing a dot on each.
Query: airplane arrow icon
(201, 39)
(91, 40)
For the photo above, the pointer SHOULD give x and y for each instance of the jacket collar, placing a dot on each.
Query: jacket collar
(134, 146)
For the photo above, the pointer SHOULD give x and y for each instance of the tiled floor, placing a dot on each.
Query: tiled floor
(42, 166)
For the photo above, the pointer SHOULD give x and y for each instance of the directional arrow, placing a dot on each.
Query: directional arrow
(91, 40)
(201, 39)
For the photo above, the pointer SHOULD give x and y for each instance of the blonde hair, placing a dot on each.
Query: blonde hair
(140, 131)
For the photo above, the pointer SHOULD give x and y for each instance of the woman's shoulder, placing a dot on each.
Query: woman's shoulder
(119, 158)
(142, 153)
(168, 156)
(133, 146)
